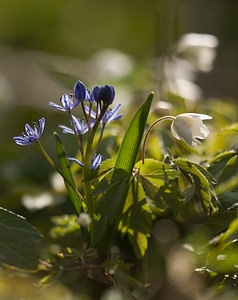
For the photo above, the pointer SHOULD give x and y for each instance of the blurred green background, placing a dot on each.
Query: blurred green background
(45, 46)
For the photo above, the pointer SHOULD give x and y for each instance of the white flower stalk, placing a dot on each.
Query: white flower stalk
(189, 127)
(84, 220)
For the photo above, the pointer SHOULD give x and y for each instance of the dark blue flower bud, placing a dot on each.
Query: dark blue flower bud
(106, 94)
(94, 94)
(80, 92)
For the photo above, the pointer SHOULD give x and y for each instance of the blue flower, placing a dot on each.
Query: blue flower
(106, 94)
(80, 92)
(109, 116)
(32, 134)
(97, 160)
(80, 126)
(67, 102)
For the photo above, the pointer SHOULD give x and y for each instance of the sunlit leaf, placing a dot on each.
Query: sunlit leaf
(66, 171)
(130, 145)
(136, 219)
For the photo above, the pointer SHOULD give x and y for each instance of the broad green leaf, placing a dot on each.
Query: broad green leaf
(130, 146)
(203, 191)
(190, 167)
(17, 241)
(156, 171)
(66, 171)
(163, 197)
(155, 177)
(136, 219)
(217, 164)
(113, 190)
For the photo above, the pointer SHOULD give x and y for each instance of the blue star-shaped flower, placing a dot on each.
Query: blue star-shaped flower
(97, 160)
(80, 126)
(109, 116)
(32, 134)
(67, 102)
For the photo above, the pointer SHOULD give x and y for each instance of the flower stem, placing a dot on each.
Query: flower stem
(84, 112)
(149, 130)
(99, 140)
(87, 163)
(46, 155)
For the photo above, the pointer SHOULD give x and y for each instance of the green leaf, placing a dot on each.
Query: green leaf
(191, 167)
(232, 129)
(230, 169)
(155, 177)
(63, 225)
(131, 142)
(202, 182)
(136, 219)
(156, 171)
(66, 171)
(113, 190)
(105, 167)
(17, 241)
(217, 164)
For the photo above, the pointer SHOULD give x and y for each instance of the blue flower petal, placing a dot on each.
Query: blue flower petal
(76, 161)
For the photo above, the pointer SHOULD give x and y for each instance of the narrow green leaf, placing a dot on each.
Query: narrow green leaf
(66, 171)
(131, 142)
(17, 241)
(113, 187)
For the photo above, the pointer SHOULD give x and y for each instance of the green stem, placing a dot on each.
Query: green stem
(148, 132)
(46, 155)
(99, 140)
(87, 163)
(84, 112)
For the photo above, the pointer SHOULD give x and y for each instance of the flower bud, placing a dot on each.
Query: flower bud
(80, 92)
(84, 219)
(106, 94)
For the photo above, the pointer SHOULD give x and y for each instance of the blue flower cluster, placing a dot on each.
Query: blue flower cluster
(101, 97)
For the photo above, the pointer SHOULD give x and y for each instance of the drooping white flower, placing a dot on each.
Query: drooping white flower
(189, 127)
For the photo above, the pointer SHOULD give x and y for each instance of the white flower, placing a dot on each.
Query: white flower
(84, 219)
(189, 127)
(199, 49)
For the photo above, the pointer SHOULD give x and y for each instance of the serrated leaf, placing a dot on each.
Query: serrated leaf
(202, 183)
(66, 171)
(113, 187)
(130, 145)
(17, 241)
(105, 167)
(156, 171)
(136, 219)
(190, 167)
